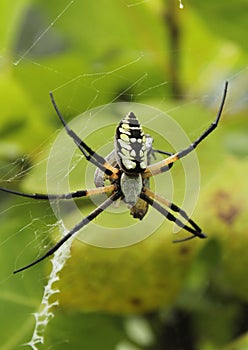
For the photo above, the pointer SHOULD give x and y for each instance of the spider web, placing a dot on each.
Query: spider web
(43, 316)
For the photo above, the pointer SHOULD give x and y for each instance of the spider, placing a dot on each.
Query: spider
(128, 170)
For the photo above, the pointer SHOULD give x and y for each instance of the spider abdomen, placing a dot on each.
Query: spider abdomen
(130, 145)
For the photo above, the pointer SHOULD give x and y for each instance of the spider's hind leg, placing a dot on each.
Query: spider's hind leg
(162, 166)
(89, 154)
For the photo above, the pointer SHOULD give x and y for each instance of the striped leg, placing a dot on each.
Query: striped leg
(152, 199)
(76, 194)
(75, 229)
(89, 154)
(162, 166)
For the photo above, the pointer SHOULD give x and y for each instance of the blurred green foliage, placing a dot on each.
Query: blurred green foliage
(190, 296)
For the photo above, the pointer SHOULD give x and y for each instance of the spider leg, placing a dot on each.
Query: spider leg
(75, 229)
(152, 154)
(162, 166)
(76, 194)
(151, 151)
(89, 154)
(169, 216)
(162, 152)
(173, 207)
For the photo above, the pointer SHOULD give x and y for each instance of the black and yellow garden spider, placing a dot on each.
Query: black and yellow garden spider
(128, 170)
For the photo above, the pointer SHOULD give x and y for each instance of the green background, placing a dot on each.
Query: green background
(153, 295)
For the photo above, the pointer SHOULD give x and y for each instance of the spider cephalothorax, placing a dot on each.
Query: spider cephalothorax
(128, 168)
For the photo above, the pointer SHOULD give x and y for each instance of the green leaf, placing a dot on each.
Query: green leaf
(87, 331)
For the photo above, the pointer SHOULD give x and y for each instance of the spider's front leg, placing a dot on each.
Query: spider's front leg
(194, 230)
(158, 202)
(86, 220)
